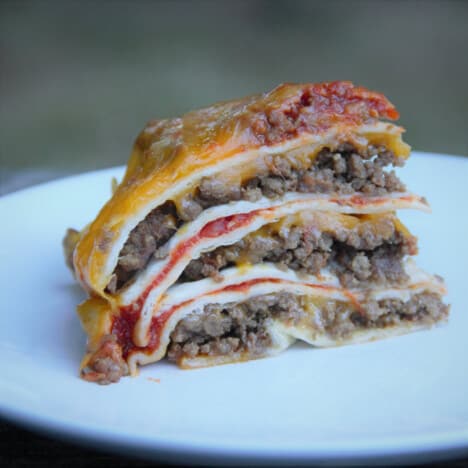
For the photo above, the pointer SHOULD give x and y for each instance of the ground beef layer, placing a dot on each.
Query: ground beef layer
(224, 329)
(358, 258)
(342, 171)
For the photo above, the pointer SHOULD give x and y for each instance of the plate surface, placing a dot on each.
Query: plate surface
(406, 397)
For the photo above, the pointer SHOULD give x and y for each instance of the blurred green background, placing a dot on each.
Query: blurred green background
(80, 79)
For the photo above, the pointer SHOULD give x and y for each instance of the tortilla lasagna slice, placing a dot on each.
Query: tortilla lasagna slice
(242, 227)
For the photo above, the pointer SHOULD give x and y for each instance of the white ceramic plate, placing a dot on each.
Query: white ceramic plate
(397, 400)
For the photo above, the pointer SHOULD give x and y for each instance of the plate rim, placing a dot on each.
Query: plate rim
(416, 449)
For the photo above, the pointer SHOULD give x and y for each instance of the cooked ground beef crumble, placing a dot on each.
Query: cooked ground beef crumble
(223, 329)
(358, 259)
